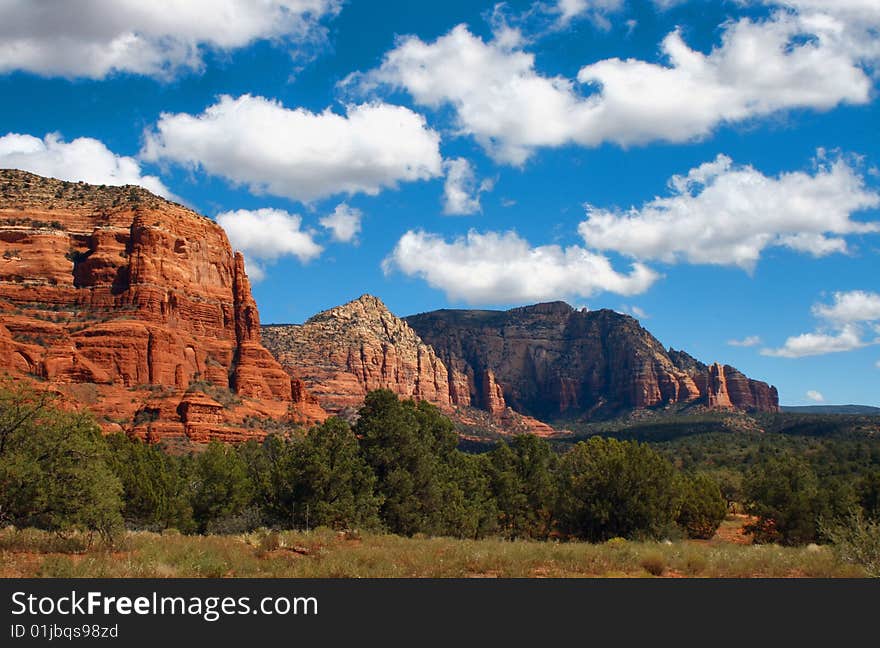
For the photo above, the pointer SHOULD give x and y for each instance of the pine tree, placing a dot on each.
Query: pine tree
(610, 488)
(54, 471)
(702, 506)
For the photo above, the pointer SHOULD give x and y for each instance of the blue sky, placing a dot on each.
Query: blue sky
(710, 167)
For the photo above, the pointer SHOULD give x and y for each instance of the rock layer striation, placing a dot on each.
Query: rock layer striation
(347, 351)
(129, 304)
(553, 362)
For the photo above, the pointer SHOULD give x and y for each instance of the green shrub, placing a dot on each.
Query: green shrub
(785, 496)
(223, 395)
(702, 507)
(424, 482)
(857, 541)
(611, 488)
(523, 484)
(654, 563)
(54, 471)
(221, 489)
(156, 491)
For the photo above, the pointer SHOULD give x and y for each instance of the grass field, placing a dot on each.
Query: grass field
(325, 553)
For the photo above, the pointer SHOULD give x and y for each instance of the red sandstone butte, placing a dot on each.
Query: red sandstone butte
(136, 308)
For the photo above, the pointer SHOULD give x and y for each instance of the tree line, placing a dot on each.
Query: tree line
(398, 469)
(798, 486)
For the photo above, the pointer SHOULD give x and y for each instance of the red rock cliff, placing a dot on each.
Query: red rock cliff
(342, 353)
(124, 301)
(553, 361)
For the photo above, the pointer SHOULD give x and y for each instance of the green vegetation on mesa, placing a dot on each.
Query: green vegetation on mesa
(398, 470)
(833, 409)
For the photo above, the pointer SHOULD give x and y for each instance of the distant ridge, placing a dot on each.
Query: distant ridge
(832, 409)
(554, 363)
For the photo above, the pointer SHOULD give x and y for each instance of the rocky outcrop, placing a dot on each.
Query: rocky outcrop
(743, 392)
(344, 352)
(341, 354)
(492, 394)
(555, 362)
(724, 386)
(139, 299)
(546, 362)
(716, 387)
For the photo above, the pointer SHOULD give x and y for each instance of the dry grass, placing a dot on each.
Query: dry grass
(325, 553)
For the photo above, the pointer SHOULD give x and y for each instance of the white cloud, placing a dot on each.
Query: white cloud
(852, 306)
(83, 159)
(859, 14)
(758, 69)
(636, 312)
(297, 153)
(844, 327)
(344, 223)
(498, 96)
(877, 364)
(724, 214)
(865, 9)
(495, 268)
(815, 396)
(811, 344)
(749, 341)
(156, 38)
(596, 10)
(501, 99)
(461, 193)
(265, 235)
(854, 23)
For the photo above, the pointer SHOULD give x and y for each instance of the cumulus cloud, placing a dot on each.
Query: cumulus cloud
(156, 38)
(83, 159)
(850, 307)
(759, 68)
(854, 14)
(811, 344)
(725, 214)
(863, 9)
(344, 223)
(844, 327)
(265, 235)
(296, 153)
(500, 98)
(596, 10)
(854, 23)
(748, 341)
(815, 396)
(461, 192)
(495, 268)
